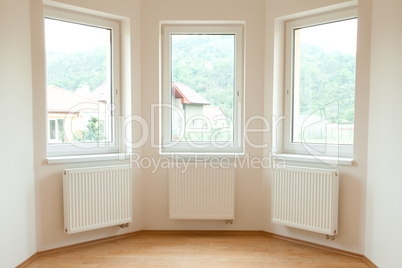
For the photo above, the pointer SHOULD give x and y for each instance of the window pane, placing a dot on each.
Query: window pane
(52, 129)
(324, 83)
(60, 131)
(203, 71)
(78, 60)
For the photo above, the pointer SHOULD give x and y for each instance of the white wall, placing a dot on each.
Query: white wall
(352, 178)
(48, 178)
(384, 198)
(150, 188)
(379, 219)
(17, 192)
(249, 198)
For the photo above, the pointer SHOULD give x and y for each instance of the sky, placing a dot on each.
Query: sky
(70, 37)
(340, 36)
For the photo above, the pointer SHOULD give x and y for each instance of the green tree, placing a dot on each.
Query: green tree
(73, 70)
(327, 77)
(206, 64)
(93, 133)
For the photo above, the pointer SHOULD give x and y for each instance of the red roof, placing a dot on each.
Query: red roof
(64, 101)
(187, 94)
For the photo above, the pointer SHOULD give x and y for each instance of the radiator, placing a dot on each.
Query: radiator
(306, 198)
(96, 197)
(202, 192)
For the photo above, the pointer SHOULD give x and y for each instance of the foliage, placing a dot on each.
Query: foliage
(327, 78)
(72, 71)
(93, 133)
(206, 64)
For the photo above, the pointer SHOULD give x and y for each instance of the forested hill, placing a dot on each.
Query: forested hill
(327, 77)
(71, 71)
(206, 64)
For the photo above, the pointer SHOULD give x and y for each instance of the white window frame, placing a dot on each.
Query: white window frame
(114, 26)
(308, 148)
(180, 147)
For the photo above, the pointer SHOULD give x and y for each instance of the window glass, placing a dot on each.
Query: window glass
(202, 75)
(324, 66)
(78, 61)
(202, 88)
(52, 130)
(60, 130)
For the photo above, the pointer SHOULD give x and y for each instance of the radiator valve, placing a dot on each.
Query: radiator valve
(229, 221)
(330, 237)
(124, 225)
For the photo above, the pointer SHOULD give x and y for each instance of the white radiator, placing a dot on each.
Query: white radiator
(202, 192)
(306, 198)
(96, 197)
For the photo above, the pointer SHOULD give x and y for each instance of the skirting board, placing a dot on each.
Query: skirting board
(194, 232)
(369, 262)
(319, 246)
(74, 246)
(28, 261)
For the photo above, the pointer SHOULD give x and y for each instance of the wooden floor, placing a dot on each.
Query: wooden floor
(197, 250)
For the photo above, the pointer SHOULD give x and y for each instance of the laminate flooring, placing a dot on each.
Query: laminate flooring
(196, 250)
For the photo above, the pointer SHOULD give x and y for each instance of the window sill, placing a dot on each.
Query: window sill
(87, 158)
(331, 160)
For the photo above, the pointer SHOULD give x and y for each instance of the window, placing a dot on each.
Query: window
(82, 71)
(202, 88)
(56, 131)
(320, 84)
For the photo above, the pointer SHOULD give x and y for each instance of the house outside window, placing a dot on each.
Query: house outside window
(202, 89)
(83, 79)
